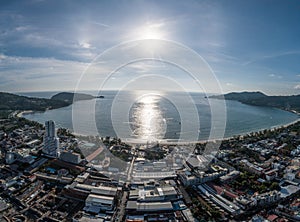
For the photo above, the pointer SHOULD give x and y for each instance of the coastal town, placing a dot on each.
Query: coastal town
(149, 111)
(48, 174)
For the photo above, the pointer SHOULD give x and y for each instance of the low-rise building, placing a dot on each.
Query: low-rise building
(271, 174)
(165, 193)
(266, 198)
(188, 178)
(143, 207)
(96, 203)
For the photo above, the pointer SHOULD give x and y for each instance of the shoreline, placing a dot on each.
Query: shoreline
(21, 114)
(261, 130)
(218, 140)
(166, 142)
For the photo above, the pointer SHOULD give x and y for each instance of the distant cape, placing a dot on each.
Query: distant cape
(289, 103)
(13, 102)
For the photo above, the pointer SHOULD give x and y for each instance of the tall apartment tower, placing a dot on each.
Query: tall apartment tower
(51, 142)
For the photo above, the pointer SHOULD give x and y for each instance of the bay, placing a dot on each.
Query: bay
(159, 116)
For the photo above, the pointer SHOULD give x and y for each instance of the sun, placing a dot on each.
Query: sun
(150, 31)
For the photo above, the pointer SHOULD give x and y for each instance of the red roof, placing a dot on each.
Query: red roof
(272, 217)
(221, 190)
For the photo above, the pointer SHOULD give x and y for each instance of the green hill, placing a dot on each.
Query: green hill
(241, 96)
(290, 103)
(9, 101)
(69, 97)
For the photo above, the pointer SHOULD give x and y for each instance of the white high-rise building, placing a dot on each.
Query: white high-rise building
(51, 142)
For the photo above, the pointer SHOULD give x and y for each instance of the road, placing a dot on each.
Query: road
(129, 173)
(94, 154)
(122, 206)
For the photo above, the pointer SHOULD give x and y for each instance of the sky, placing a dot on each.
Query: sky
(249, 45)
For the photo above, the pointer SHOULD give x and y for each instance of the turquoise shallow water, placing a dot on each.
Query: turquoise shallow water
(161, 116)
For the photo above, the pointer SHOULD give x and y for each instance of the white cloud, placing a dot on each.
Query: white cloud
(271, 56)
(2, 57)
(85, 45)
(272, 75)
(297, 86)
(216, 57)
(40, 74)
(101, 24)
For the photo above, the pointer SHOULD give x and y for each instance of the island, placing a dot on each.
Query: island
(70, 97)
(289, 103)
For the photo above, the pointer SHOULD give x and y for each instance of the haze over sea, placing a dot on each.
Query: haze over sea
(153, 117)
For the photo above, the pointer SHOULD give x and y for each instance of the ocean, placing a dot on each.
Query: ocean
(171, 116)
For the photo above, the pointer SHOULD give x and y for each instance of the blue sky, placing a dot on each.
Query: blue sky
(250, 45)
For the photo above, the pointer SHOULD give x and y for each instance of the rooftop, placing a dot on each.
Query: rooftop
(99, 199)
(148, 207)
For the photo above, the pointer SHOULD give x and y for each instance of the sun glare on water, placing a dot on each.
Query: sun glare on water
(147, 118)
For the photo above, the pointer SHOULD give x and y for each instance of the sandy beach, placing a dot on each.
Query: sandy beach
(20, 114)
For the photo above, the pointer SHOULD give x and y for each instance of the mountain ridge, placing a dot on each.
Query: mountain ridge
(10, 101)
(289, 103)
(14, 102)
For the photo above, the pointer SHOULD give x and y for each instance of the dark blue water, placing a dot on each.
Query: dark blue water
(160, 116)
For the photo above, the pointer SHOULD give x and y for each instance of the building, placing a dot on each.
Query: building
(187, 178)
(96, 203)
(266, 198)
(289, 190)
(196, 162)
(51, 142)
(289, 176)
(245, 202)
(150, 207)
(165, 193)
(90, 189)
(230, 176)
(271, 174)
(10, 157)
(253, 168)
(70, 157)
